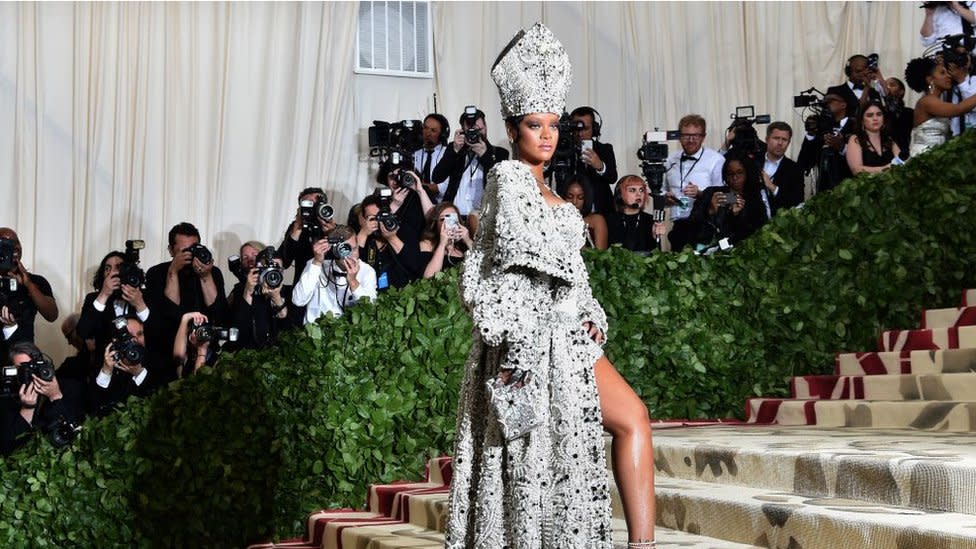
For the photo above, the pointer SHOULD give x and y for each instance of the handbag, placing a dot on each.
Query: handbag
(514, 404)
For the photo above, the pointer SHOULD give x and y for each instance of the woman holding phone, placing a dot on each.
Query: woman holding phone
(444, 241)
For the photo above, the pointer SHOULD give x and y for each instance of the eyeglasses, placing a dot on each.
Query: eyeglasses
(692, 136)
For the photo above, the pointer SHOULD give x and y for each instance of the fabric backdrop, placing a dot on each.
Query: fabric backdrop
(118, 121)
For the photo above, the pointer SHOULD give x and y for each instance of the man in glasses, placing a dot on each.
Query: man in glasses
(691, 170)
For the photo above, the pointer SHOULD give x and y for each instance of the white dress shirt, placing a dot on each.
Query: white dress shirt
(471, 187)
(944, 21)
(420, 157)
(967, 88)
(121, 308)
(705, 171)
(320, 292)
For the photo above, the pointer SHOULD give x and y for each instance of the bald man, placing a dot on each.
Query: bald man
(32, 294)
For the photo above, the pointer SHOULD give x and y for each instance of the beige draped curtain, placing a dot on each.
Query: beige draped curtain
(119, 120)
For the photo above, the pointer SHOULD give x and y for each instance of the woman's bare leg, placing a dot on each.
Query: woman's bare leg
(625, 417)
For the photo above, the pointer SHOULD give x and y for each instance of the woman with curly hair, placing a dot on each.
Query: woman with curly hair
(871, 148)
(928, 76)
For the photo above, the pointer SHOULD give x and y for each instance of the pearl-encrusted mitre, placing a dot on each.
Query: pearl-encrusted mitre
(533, 73)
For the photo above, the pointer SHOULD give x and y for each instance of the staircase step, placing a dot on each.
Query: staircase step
(772, 518)
(969, 298)
(924, 470)
(960, 387)
(959, 337)
(951, 361)
(947, 318)
(956, 416)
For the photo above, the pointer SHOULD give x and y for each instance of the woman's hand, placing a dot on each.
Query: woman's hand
(596, 334)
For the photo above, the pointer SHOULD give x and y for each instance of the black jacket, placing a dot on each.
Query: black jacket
(724, 224)
(453, 164)
(789, 179)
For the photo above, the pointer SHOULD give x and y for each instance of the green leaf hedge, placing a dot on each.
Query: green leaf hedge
(241, 452)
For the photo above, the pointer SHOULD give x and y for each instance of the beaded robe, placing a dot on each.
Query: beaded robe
(527, 289)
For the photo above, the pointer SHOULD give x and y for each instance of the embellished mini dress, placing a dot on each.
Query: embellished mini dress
(527, 290)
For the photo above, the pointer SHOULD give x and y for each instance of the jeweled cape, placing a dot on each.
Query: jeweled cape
(527, 289)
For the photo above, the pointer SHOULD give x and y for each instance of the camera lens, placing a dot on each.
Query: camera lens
(325, 211)
(272, 278)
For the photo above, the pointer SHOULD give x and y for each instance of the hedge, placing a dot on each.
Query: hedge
(241, 452)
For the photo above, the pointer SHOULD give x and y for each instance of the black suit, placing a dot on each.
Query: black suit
(789, 179)
(453, 164)
(603, 184)
(123, 385)
(97, 325)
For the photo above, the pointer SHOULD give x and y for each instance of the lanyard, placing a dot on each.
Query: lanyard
(681, 171)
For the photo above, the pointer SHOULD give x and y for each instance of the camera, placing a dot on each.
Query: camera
(125, 348)
(820, 121)
(400, 164)
(8, 255)
(129, 272)
(873, 61)
(62, 432)
(566, 158)
(208, 332)
(955, 50)
(199, 251)
(269, 274)
(386, 216)
(405, 135)
(312, 214)
(745, 139)
(338, 249)
(653, 153)
(13, 377)
(471, 134)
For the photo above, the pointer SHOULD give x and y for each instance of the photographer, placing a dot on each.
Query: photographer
(599, 164)
(861, 72)
(466, 161)
(393, 253)
(128, 368)
(435, 133)
(194, 348)
(445, 241)
(334, 278)
(734, 210)
(409, 202)
(190, 282)
(41, 403)
(258, 308)
(32, 294)
(946, 18)
(823, 148)
(111, 299)
(306, 228)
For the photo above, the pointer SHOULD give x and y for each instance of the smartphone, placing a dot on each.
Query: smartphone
(451, 220)
(586, 144)
(729, 199)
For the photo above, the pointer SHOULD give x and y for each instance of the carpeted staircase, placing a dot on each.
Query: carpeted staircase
(882, 454)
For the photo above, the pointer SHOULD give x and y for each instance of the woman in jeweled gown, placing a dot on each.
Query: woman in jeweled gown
(928, 76)
(539, 480)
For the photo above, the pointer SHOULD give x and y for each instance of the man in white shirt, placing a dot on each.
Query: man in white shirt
(690, 171)
(946, 18)
(436, 131)
(334, 278)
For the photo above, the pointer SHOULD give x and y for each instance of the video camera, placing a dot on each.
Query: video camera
(746, 139)
(653, 154)
(566, 159)
(812, 102)
(13, 377)
(405, 135)
(125, 348)
(956, 50)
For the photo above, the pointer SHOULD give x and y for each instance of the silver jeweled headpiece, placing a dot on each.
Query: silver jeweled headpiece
(533, 73)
